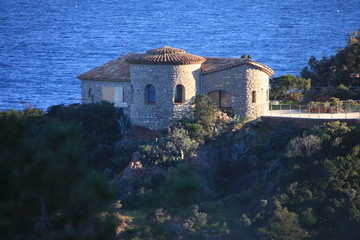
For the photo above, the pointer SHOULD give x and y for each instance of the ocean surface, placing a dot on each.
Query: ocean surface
(45, 44)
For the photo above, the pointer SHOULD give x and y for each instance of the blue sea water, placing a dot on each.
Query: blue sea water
(44, 44)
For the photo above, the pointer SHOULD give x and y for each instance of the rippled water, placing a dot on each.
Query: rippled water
(44, 44)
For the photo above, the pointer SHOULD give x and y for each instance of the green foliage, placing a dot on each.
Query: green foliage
(331, 135)
(105, 225)
(170, 208)
(280, 138)
(195, 130)
(343, 68)
(181, 189)
(288, 87)
(205, 110)
(99, 120)
(26, 113)
(303, 147)
(170, 150)
(283, 225)
(102, 124)
(325, 94)
(123, 123)
(184, 174)
(307, 217)
(47, 191)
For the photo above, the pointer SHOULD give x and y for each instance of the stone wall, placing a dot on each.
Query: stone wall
(164, 112)
(240, 82)
(257, 81)
(91, 91)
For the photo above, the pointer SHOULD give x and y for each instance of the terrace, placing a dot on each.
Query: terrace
(340, 110)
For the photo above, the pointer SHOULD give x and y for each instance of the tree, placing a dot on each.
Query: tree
(281, 87)
(47, 190)
(205, 110)
(101, 123)
(343, 68)
(283, 225)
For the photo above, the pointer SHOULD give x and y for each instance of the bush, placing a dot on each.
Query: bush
(205, 110)
(195, 130)
(170, 150)
(280, 138)
(303, 147)
(283, 225)
(46, 187)
(100, 122)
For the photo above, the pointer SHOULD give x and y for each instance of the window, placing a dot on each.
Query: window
(222, 98)
(90, 95)
(179, 94)
(150, 94)
(114, 95)
(254, 96)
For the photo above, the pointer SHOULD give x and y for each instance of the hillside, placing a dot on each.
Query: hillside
(209, 177)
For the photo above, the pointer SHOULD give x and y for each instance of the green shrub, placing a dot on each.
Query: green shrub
(283, 225)
(101, 127)
(342, 87)
(195, 130)
(205, 110)
(307, 217)
(46, 187)
(280, 138)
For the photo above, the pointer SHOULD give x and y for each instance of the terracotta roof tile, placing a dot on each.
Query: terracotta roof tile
(117, 70)
(215, 64)
(165, 56)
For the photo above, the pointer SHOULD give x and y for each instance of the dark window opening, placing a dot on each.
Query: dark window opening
(150, 94)
(222, 98)
(254, 96)
(179, 94)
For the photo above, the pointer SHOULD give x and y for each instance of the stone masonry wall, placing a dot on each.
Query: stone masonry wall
(257, 81)
(96, 91)
(240, 82)
(164, 112)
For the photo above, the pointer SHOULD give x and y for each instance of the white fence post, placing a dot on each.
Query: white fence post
(290, 110)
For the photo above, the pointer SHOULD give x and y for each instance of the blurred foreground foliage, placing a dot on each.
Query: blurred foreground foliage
(210, 176)
(47, 189)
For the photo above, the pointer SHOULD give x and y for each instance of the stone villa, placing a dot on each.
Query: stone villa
(158, 87)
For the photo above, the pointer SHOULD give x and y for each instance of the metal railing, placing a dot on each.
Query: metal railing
(343, 109)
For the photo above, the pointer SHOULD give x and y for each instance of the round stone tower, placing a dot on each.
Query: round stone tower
(164, 84)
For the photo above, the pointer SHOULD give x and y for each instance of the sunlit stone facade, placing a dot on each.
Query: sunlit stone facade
(157, 88)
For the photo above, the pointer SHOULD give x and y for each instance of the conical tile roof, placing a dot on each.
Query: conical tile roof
(165, 56)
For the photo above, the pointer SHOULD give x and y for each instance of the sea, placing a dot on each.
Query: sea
(45, 44)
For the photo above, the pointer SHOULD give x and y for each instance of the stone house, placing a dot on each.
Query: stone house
(158, 87)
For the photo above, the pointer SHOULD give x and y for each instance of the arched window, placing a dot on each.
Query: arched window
(254, 96)
(90, 92)
(150, 94)
(179, 94)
